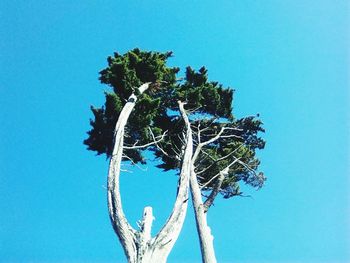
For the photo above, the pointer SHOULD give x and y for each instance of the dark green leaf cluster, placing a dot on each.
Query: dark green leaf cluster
(125, 73)
(203, 96)
(156, 111)
(101, 135)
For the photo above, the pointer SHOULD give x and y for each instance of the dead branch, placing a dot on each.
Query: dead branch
(138, 166)
(216, 189)
(218, 174)
(155, 141)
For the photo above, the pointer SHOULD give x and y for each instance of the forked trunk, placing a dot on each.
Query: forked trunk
(138, 245)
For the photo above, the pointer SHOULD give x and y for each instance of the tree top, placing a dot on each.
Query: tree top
(208, 103)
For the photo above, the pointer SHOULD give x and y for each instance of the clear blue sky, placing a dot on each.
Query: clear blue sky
(288, 60)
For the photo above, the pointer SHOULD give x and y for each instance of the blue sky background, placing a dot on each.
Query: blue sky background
(288, 60)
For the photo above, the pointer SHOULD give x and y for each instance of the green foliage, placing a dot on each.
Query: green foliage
(209, 104)
(203, 96)
(211, 160)
(101, 135)
(241, 147)
(125, 73)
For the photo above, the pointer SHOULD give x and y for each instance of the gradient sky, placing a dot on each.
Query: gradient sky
(288, 60)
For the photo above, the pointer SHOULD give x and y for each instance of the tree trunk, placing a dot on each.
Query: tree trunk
(205, 237)
(204, 232)
(138, 246)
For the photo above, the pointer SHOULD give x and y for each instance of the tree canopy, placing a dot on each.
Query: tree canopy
(156, 113)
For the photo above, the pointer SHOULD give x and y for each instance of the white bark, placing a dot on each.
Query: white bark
(138, 246)
(206, 239)
(204, 232)
(168, 235)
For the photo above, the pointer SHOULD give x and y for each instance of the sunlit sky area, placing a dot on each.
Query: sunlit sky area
(288, 60)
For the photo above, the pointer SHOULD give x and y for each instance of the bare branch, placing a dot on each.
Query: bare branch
(219, 135)
(192, 110)
(218, 174)
(234, 151)
(248, 167)
(157, 143)
(208, 155)
(177, 151)
(183, 142)
(205, 169)
(210, 200)
(215, 161)
(147, 144)
(231, 136)
(202, 160)
(208, 126)
(216, 137)
(233, 129)
(199, 133)
(138, 166)
(202, 144)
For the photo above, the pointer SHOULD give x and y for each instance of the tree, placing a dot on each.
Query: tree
(145, 70)
(224, 149)
(216, 152)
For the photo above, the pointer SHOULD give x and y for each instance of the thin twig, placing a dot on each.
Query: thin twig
(156, 142)
(218, 174)
(138, 166)
(147, 144)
